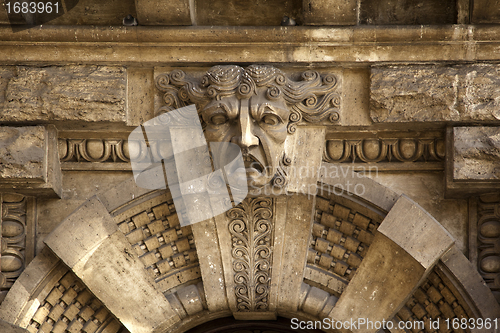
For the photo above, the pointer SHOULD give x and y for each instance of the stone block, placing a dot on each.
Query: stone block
(63, 93)
(476, 153)
(299, 210)
(416, 232)
(140, 101)
(332, 283)
(238, 13)
(9, 328)
(466, 274)
(472, 161)
(330, 12)
(22, 154)
(190, 299)
(89, 242)
(121, 194)
(164, 12)
(407, 12)
(408, 244)
(90, 225)
(343, 179)
(384, 279)
(29, 163)
(426, 188)
(485, 11)
(305, 147)
(423, 93)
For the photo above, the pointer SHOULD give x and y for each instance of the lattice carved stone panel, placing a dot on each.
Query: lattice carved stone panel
(251, 229)
(167, 250)
(341, 236)
(70, 307)
(436, 298)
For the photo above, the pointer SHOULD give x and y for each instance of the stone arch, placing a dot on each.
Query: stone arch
(121, 262)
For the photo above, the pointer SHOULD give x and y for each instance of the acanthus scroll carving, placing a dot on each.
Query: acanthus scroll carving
(251, 230)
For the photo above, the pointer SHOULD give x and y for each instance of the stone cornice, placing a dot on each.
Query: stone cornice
(208, 45)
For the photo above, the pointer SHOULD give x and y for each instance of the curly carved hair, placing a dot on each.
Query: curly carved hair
(312, 99)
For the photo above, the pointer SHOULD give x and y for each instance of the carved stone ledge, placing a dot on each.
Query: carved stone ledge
(94, 154)
(147, 45)
(387, 151)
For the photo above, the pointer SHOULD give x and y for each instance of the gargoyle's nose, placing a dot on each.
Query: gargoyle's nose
(247, 137)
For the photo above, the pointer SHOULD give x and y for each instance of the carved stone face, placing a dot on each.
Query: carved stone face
(257, 124)
(255, 107)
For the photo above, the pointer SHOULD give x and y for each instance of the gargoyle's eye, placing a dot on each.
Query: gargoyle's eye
(271, 119)
(218, 119)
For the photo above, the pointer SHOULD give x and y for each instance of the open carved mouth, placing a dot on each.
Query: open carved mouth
(252, 164)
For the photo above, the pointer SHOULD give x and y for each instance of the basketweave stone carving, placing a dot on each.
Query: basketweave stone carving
(166, 249)
(435, 299)
(256, 107)
(70, 306)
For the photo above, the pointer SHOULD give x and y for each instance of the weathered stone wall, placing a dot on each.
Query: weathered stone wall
(62, 93)
(415, 108)
(459, 93)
